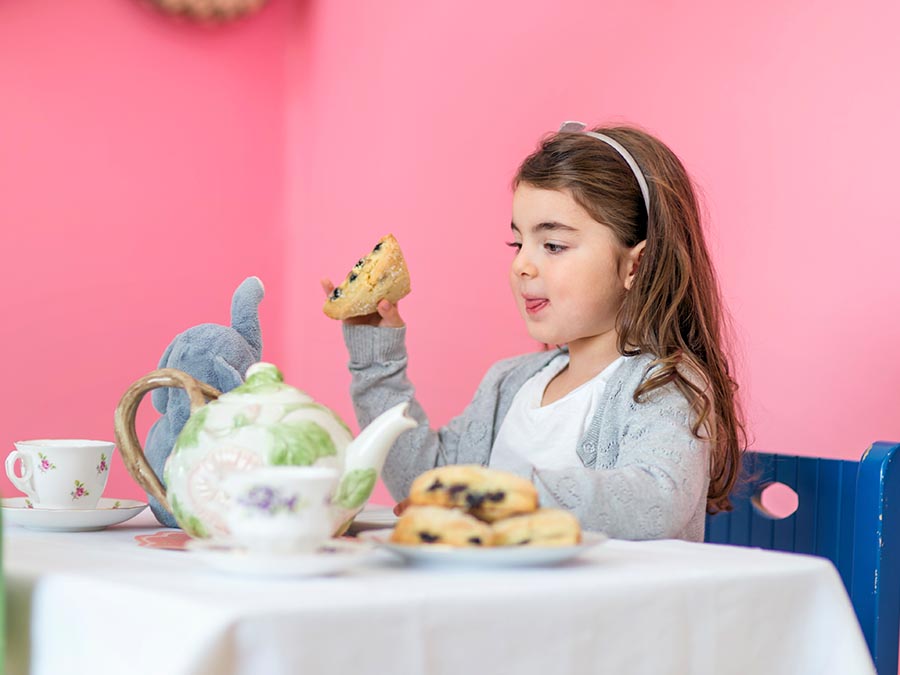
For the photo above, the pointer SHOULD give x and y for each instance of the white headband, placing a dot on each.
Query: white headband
(579, 127)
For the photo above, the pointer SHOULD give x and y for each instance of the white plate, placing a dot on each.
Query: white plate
(332, 558)
(108, 512)
(491, 556)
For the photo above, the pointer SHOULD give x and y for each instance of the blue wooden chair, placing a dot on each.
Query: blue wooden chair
(847, 512)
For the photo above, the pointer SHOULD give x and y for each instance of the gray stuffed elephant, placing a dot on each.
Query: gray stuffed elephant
(217, 355)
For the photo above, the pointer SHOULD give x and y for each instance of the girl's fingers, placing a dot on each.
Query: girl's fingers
(327, 286)
(390, 315)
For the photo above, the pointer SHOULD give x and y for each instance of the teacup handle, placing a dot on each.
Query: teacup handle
(25, 482)
(126, 435)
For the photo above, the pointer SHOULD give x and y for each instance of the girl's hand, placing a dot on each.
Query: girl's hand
(387, 316)
(400, 507)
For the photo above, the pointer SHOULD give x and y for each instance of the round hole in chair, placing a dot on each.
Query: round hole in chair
(776, 500)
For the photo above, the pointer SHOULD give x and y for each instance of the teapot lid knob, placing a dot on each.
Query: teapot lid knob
(262, 373)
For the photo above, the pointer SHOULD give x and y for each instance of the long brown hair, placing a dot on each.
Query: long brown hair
(673, 310)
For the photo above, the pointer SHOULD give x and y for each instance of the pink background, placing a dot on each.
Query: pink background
(147, 166)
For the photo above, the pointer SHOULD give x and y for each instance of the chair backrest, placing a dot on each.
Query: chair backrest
(847, 512)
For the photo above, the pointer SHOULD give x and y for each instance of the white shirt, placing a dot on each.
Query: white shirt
(546, 437)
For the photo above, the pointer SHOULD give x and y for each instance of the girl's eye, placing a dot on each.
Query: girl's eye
(514, 244)
(555, 248)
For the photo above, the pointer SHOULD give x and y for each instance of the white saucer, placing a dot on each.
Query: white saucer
(490, 556)
(332, 558)
(108, 512)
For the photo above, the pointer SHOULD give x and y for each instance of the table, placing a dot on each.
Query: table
(98, 603)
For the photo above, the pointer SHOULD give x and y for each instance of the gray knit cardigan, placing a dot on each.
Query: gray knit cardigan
(645, 476)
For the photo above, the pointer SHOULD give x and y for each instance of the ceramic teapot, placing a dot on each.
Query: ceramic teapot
(263, 422)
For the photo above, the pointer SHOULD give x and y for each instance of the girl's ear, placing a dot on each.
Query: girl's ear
(634, 262)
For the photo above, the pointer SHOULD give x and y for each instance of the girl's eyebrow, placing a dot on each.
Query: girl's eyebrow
(547, 226)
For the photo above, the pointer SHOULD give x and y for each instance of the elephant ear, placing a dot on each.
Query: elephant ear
(160, 397)
(245, 313)
(226, 376)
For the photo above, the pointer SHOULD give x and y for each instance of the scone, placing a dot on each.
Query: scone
(380, 275)
(487, 494)
(544, 527)
(434, 525)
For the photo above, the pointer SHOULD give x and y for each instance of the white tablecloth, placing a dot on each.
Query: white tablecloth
(98, 603)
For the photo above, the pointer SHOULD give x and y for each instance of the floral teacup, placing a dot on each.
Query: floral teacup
(61, 474)
(280, 509)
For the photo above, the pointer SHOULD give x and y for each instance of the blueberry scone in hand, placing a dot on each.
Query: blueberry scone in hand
(434, 525)
(380, 275)
(487, 494)
(544, 527)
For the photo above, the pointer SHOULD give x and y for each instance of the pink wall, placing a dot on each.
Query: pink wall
(127, 139)
(411, 118)
(141, 180)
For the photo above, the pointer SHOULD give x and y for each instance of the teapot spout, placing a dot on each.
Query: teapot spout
(363, 462)
(370, 449)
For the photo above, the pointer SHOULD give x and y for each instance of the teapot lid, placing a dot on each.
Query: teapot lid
(266, 381)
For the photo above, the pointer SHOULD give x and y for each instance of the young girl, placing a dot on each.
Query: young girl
(632, 423)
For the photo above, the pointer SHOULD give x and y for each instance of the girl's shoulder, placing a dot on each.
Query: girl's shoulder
(633, 370)
(646, 367)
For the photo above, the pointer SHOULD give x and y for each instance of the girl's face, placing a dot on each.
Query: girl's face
(570, 273)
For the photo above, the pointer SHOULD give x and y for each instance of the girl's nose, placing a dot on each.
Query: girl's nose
(522, 265)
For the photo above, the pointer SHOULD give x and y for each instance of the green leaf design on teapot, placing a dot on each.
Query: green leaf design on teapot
(355, 488)
(262, 379)
(300, 443)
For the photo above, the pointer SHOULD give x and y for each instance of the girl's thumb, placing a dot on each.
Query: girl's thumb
(390, 315)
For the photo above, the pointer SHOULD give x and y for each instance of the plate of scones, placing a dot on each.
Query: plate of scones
(470, 515)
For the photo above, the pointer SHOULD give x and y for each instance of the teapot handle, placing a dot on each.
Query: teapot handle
(126, 435)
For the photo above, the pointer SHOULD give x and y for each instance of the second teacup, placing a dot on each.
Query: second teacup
(280, 509)
(61, 473)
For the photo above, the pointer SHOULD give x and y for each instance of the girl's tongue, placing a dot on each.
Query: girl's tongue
(535, 304)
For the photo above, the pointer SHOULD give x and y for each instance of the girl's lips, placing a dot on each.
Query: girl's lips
(535, 305)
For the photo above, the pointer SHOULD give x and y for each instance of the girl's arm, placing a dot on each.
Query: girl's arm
(658, 484)
(378, 362)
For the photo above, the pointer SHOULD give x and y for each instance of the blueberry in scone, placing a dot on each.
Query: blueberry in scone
(544, 527)
(434, 525)
(488, 494)
(380, 275)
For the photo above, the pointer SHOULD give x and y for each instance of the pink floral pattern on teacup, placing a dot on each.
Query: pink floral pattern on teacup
(102, 466)
(45, 464)
(79, 491)
(28, 504)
